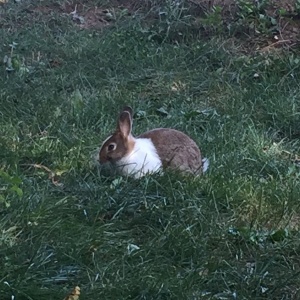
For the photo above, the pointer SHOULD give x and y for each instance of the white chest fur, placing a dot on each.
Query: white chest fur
(142, 160)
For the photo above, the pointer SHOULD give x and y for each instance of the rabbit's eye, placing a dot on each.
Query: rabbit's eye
(111, 147)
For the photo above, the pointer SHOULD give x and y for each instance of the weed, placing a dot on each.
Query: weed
(213, 20)
(297, 6)
(10, 186)
(253, 16)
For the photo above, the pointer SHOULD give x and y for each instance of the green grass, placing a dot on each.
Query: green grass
(231, 234)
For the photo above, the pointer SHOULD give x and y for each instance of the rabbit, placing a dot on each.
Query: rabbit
(151, 151)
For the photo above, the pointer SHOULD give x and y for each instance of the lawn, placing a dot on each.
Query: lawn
(234, 87)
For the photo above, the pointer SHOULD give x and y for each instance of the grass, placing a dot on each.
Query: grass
(231, 234)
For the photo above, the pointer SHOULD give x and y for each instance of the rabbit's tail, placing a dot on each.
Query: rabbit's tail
(205, 164)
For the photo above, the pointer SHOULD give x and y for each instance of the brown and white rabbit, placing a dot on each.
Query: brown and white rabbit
(151, 151)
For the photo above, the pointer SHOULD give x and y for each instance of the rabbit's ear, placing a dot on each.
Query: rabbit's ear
(124, 124)
(129, 110)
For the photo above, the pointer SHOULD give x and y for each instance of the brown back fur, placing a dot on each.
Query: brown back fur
(176, 149)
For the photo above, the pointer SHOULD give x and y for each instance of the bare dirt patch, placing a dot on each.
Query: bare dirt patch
(87, 15)
(84, 15)
(91, 15)
(285, 15)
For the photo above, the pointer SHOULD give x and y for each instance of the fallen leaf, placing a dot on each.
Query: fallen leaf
(163, 111)
(74, 295)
